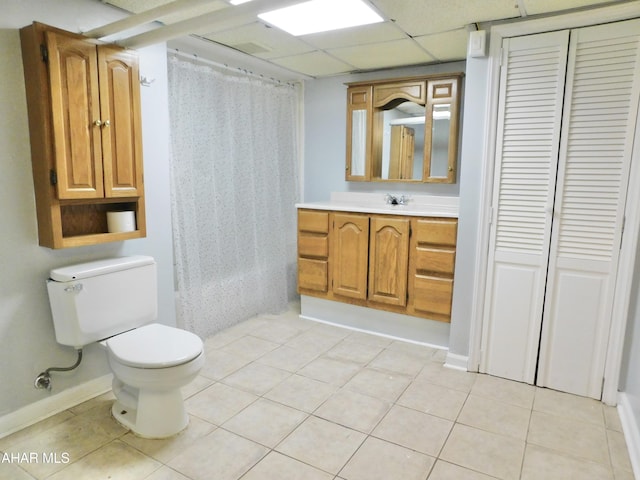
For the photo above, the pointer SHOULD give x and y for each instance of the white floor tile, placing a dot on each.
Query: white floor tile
(380, 460)
(323, 444)
(285, 398)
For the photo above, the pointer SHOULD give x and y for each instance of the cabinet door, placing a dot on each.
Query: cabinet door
(120, 113)
(73, 77)
(359, 122)
(441, 130)
(388, 260)
(349, 254)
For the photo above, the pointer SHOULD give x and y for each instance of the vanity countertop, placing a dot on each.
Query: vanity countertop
(418, 205)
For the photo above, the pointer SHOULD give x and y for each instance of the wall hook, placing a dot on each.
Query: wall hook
(146, 82)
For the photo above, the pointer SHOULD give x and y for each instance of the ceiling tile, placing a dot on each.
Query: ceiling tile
(260, 40)
(446, 46)
(137, 6)
(383, 55)
(432, 16)
(534, 7)
(315, 64)
(347, 37)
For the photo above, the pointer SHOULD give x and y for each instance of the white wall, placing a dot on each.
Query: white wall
(630, 373)
(473, 140)
(27, 342)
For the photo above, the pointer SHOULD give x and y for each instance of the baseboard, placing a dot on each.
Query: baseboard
(457, 362)
(35, 412)
(631, 430)
(376, 322)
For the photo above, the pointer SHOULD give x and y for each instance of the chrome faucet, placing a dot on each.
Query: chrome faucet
(395, 200)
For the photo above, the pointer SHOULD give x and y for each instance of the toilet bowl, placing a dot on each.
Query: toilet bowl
(149, 366)
(114, 302)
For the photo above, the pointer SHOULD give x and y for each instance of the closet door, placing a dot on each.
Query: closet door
(601, 103)
(531, 92)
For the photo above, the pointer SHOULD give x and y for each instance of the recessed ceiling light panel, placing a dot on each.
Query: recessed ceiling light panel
(321, 16)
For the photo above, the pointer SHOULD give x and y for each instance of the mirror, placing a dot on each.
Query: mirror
(358, 142)
(441, 126)
(359, 114)
(402, 142)
(403, 130)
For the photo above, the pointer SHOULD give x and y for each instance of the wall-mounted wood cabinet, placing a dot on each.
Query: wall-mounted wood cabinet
(389, 262)
(404, 130)
(83, 101)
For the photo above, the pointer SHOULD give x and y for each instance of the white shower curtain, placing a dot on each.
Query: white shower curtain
(234, 186)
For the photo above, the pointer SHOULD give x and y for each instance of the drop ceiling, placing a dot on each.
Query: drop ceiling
(414, 32)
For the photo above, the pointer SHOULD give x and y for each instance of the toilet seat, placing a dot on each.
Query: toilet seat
(154, 346)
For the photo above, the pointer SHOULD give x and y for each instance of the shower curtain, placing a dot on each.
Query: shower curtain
(234, 185)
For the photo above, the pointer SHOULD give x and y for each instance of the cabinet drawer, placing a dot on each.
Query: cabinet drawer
(313, 274)
(433, 295)
(316, 221)
(436, 231)
(439, 260)
(310, 245)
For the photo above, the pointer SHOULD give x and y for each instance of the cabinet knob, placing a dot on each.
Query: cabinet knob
(106, 123)
(97, 123)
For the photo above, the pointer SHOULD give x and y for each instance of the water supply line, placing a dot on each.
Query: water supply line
(43, 380)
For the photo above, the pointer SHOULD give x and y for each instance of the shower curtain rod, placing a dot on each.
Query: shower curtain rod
(191, 56)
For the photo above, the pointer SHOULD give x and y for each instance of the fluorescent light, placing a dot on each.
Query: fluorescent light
(238, 2)
(321, 15)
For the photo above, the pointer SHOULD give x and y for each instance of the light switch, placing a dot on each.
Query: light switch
(478, 43)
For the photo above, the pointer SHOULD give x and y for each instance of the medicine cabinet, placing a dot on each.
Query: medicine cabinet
(403, 130)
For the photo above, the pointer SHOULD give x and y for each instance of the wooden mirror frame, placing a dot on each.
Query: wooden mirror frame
(374, 97)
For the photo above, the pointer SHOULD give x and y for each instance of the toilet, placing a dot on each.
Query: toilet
(115, 302)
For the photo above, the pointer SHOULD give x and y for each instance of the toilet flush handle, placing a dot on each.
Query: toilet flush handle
(74, 288)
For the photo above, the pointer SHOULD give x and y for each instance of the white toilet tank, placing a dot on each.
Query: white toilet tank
(95, 300)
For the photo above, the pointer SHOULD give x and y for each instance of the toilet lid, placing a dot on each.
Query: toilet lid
(155, 346)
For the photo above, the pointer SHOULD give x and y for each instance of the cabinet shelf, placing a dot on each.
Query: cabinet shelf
(97, 238)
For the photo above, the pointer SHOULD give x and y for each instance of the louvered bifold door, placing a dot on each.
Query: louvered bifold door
(601, 104)
(531, 94)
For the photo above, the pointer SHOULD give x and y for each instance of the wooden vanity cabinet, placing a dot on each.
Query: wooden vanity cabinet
(83, 100)
(390, 262)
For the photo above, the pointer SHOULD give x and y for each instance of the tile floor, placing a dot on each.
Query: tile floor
(282, 398)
